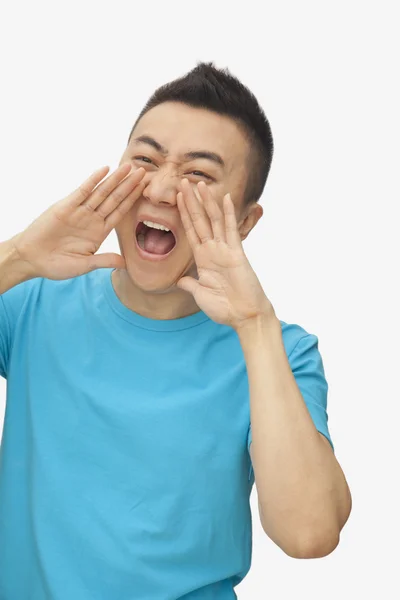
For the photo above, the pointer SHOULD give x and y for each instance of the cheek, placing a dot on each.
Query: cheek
(125, 227)
(184, 248)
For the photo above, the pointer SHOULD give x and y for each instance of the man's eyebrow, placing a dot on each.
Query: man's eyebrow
(146, 139)
(193, 155)
(213, 156)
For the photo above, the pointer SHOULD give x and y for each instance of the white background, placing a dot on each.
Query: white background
(74, 77)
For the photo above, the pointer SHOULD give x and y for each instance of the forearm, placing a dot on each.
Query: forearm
(12, 270)
(303, 495)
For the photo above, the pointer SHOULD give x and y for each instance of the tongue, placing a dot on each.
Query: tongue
(158, 242)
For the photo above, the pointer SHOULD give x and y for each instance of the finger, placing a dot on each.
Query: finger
(188, 284)
(198, 215)
(124, 207)
(87, 187)
(120, 193)
(231, 226)
(213, 211)
(193, 238)
(108, 260)
(103, 190)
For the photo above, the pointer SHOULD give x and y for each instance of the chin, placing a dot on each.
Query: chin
(151, 283)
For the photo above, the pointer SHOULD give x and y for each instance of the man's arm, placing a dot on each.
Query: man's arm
(304, 499)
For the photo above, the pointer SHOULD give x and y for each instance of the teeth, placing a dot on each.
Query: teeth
(155, 225)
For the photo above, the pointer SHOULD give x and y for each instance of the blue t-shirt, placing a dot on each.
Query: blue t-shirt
(124, 468)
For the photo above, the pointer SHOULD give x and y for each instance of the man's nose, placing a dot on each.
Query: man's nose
(161, 188)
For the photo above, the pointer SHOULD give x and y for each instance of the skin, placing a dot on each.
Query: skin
(63, 241)
(150, 288)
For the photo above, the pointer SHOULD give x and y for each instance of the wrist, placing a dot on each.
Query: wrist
(253, 330)
(265, 318)
(13, 269)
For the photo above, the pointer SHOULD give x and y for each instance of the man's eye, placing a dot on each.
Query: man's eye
(201, 174)
(144, 159)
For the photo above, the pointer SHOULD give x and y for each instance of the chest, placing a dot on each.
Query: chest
(177, 401)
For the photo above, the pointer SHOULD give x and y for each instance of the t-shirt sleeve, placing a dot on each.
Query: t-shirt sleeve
(307, 367)
(4, 339)
(11, 304)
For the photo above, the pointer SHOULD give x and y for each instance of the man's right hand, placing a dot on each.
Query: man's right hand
(62, 242)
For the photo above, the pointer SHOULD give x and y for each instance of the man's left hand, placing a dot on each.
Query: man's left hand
(227, 288)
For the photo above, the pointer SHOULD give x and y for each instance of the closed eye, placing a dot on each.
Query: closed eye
(144, 159)
(148, 160)
(201, 174)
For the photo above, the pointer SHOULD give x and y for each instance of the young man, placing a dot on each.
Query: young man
(148, 391)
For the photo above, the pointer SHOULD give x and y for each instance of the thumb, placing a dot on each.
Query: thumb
(106, 261)
(188, 284)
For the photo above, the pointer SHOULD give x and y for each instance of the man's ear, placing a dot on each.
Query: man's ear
(252, 214)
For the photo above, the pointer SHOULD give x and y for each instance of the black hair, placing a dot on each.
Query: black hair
(219, 91)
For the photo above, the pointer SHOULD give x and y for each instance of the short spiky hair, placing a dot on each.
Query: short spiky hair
(219, 91)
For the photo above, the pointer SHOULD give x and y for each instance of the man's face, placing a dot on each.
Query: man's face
(173, 141)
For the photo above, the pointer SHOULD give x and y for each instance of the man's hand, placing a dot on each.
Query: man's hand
(227, 289)
(62, 242)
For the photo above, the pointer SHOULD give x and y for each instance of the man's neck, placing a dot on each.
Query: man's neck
(172, 304)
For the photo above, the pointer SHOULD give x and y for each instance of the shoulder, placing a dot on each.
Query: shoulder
(13, 301)
(42, 294)
(296, 338)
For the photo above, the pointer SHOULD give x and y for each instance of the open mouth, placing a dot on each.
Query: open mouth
(154, 240)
